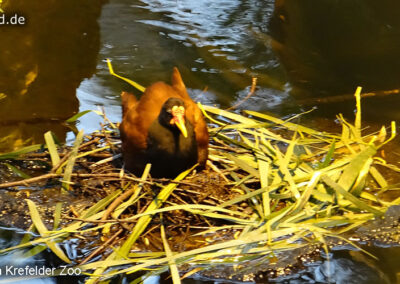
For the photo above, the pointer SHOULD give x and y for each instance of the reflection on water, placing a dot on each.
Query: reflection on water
(209, 40)
(330, 47)
(217, 45)
(325, 48)
(9, 261)
(43, 268)
(42, 64)
(54, 65)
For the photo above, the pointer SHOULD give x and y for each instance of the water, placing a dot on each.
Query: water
(200, 37)
(330, 47)
(61, 63)
(15, 267)
(54, 66)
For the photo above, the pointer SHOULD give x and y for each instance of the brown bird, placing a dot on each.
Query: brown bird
(164, 128)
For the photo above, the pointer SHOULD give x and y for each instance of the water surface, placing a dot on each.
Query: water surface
(54, 65)
(301, 52)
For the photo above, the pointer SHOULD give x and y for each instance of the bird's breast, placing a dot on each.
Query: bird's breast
(167, 147)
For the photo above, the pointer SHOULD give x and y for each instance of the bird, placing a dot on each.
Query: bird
(164, 128)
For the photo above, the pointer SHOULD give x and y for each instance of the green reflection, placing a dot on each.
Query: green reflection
(330, 47)
(41, 65)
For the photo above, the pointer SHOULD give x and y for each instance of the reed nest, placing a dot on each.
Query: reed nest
(270, 187)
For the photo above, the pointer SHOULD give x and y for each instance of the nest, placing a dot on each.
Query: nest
(270, 187)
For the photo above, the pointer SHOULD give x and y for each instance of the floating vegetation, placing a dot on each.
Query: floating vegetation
(271, 186)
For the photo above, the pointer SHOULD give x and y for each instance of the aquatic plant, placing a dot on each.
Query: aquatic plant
(286, 187)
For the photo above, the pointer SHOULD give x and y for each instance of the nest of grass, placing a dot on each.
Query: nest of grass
(271, 186)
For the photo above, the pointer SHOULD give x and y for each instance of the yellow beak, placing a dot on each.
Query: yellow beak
(178, 118)
(179, 121)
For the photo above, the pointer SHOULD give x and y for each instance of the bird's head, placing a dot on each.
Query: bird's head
(173, 115)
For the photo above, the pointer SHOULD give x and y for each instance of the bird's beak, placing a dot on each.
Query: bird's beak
(178, 118)
(180, 123)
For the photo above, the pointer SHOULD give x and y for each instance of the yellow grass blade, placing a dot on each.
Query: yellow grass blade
(37, 221)
(134, 84)
(71, 161)
(51, 146)
(172, 265)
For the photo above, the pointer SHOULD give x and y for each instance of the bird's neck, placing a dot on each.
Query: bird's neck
(170, 139)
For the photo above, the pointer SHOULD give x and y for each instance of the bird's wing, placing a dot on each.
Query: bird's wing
(139, 115)
(131, 127)
(128, 102)
(196, 117)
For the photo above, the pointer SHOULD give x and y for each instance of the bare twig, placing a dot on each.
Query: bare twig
(100, 248)
(106, 160)
(28, 180)
(66, 156)
(97, 221)
(252, 89)
(62, 161)
(54, 175)
(346, 97)
(104, 175)
(93, 141)
(218, 171)
(117, 202)
(178, 182)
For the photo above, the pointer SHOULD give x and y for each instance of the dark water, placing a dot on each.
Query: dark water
(53, 66)
(14, 266)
